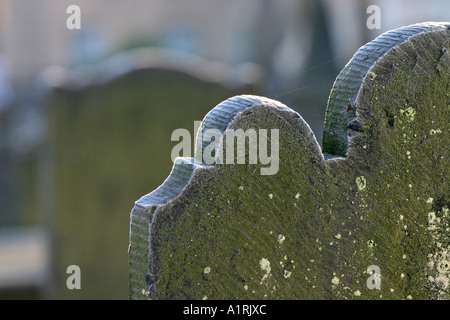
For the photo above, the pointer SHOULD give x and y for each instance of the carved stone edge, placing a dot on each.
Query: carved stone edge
(342, 102)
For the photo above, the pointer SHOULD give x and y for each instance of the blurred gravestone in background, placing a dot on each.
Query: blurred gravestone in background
(25, 270)
(111, 129)
(297, 53)
(7, 216)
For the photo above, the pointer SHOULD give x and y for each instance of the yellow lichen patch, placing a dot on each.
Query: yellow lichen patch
(335, 281)
(409, 113)
(265, 266)
(435, 131)
(361, 183)
(439, 260)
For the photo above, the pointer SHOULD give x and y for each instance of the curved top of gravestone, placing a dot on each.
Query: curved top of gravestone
(123, 63)
(313, 227)
(342, 106)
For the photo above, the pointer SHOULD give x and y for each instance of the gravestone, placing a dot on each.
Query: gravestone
(98, 117)
(364, 217)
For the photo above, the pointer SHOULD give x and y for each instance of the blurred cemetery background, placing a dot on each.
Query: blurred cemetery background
(86, 116)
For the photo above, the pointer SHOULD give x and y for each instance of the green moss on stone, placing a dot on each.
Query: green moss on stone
(337, 217)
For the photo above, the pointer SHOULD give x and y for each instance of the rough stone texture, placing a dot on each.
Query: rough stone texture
(99, 116)
(376, 196)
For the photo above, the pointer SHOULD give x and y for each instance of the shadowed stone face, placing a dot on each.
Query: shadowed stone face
(368, 220)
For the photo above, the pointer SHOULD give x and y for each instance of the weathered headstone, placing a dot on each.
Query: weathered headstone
(366, 217)
(98, 118)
